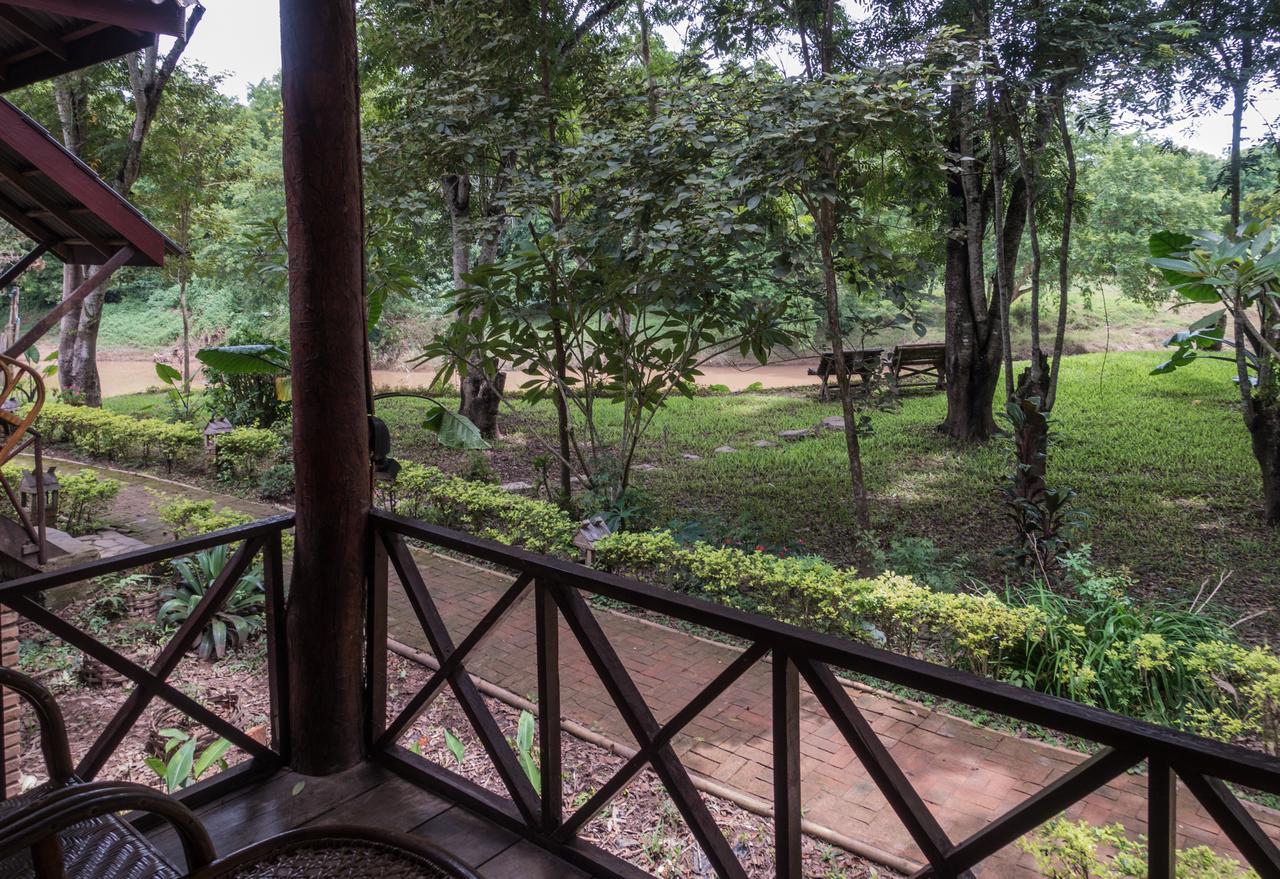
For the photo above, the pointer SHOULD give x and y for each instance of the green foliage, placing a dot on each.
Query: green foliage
(84, 498)
(1102, 647)
(105, 434)
(1133, 184)
(276, 482)
(244, 381)
(479, 508)
(180, 766)
(234, 623)
(245, 451)
(976, 632)
(1078, 850)
(455, 746)
(525, 747)
(189, 518)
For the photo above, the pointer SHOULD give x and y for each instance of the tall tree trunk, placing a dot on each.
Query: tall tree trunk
(1264, 430)
(72, 277)
(331, 382)
(149, 73)
(88, 382)
(1239, 95)
(186, 335)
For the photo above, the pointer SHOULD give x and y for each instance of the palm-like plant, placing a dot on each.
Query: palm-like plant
(233, 623)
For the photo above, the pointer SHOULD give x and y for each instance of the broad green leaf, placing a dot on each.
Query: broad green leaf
(246, 359)
(455, 746)
(453, 430)
(211, 755)
(1163, 244)
(168, 374)
(525, 731)
(179, 769)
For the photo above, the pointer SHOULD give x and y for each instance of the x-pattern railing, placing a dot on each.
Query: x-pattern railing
(151, 682)
(1203, 765)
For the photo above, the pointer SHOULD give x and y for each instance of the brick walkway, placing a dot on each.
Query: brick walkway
(967, 774)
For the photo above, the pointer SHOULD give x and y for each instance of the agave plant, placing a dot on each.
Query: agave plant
(238, 618)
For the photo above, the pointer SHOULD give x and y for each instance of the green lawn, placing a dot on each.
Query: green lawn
(1162, 464)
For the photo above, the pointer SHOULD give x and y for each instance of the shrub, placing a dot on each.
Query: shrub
(485, 510)
(238, 618)
(1078, 850)
(243, 452)
(188, 518)
(107, 435)
(83, 499)
(1103, 648)
(276, 483)
(244, 399)
(969, 631)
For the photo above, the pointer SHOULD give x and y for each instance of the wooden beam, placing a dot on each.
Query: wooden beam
(15, 271)
(166, 17)
(51, 43)
(78, 181)
(42, 326)
(63, 215)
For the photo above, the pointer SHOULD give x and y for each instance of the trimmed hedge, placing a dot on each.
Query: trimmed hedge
(113, 437)
(969, 631)
(427, 493)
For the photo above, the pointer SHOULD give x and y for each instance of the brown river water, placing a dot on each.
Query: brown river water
(134, 376)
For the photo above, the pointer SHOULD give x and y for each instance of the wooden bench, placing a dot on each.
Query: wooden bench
(863, 362)
(919, 365)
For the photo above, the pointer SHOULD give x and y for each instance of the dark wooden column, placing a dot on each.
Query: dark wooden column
(330, 380)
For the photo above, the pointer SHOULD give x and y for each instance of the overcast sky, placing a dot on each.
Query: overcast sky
(241, 38)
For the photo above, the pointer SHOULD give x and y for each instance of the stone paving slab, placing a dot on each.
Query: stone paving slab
(968, 775)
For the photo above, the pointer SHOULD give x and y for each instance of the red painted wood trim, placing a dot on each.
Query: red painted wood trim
(35, 144)
(140, 15)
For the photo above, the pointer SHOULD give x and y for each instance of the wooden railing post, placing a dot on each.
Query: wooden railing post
(376, 642)
(277, 643)
(786, 767)
(1162, 819)
(549, 742)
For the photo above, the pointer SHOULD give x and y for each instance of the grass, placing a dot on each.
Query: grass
(1162, 465)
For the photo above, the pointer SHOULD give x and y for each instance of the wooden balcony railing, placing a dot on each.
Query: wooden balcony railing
(561, 590)
(259, 538)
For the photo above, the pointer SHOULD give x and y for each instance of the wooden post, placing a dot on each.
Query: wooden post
(10, 721)
(323, 195)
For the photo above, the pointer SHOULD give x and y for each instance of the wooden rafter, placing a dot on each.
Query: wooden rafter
(19, 21)
(64, 215)
(166, 17)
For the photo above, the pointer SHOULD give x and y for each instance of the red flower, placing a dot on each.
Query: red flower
(759, 548)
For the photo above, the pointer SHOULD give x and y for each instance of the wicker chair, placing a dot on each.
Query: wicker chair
(69, 828)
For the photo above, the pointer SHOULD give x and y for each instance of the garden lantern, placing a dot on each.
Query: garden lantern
(593, 530)
(216, 428)
(30, 487)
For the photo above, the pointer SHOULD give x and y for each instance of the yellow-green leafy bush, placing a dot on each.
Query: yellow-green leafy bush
(427, 493)
(189, 518)
(970, 631)
(1078, 850)
(84, 498)
(245, 451)
(108, 435)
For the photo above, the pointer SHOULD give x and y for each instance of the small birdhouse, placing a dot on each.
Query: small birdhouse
(216, 428)
(32, 488)
(591, 532)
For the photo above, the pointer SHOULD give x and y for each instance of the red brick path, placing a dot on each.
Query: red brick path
(967, 774)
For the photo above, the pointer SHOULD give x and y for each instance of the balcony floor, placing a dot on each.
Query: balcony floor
(372, 796)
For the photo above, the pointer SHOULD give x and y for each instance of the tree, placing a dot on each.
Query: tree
(195, 139)
(1232, 49)
(475, 89)
(148, 73)
(1241, 272)
(618, 298)
(1033, 56)
(1133, 184)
